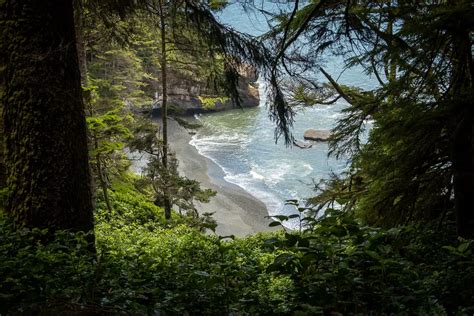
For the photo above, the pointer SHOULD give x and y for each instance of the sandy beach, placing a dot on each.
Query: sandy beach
(235, 210)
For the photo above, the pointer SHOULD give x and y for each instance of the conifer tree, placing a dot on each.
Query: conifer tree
(420, 151)
(45, 129)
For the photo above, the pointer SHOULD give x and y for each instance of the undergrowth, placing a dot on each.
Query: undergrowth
(145, 265)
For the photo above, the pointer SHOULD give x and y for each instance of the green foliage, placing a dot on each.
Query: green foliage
(415, 165)
(109, 131)
(146, 265)
(210, 103)
(339, 265)
(143, 265)
(36, 276)
(165, 180)
(217, 4)
(130, 208)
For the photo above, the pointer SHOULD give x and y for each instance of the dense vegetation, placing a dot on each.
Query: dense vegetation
(392, 236)
(146, 265)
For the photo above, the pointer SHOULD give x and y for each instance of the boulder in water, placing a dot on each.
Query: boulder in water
(302, 145)
(317, 135)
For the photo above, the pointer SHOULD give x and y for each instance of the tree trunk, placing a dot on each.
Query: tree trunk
(164, 110)
(102, 177)
(463, 180)
(80, 44)
(86, 94)
(463, 150)
(46, 143)
(3, 171)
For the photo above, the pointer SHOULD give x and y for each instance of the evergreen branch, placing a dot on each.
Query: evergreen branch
(301, 29)
(337, 87)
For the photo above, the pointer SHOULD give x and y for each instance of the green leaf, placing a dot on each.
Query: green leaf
(281, 217)
(202, 273)
(373, 254)
(464, 246)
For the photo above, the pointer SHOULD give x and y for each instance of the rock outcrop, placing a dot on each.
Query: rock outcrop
(302, 145)
(187, 96)
(317, 135)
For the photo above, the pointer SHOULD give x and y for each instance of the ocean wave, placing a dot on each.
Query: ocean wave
(202, 151)
(274, 203)
(220, 142)
(274, 172)
(252, 183)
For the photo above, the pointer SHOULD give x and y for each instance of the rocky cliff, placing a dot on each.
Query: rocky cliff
(187, 96)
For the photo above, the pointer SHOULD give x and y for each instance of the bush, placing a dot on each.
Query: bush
(339, 265)
(144, 265)
(36, 276)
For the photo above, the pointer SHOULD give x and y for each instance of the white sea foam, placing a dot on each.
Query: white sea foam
(256, 175)
(247, 182)
(274, 203)
(275, 172)
(203, 152)
(262, 90)
(253, 184)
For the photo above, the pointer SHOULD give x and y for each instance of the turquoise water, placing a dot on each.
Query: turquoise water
(242, 142)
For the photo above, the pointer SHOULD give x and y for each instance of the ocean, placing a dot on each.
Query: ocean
(242, 142)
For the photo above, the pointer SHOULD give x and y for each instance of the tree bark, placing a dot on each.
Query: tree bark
(46, 143)
(3, 170)
(164, 110)
(80, 44)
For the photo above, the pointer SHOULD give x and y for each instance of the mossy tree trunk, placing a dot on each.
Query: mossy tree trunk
(45, 128)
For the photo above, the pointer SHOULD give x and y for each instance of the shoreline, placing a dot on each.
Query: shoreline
(235, 210)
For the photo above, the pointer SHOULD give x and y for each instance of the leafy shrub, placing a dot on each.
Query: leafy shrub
(37, 276)
(144, 265)
(340, 265)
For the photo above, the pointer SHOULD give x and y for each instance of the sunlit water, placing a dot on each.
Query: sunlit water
(242, 142)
